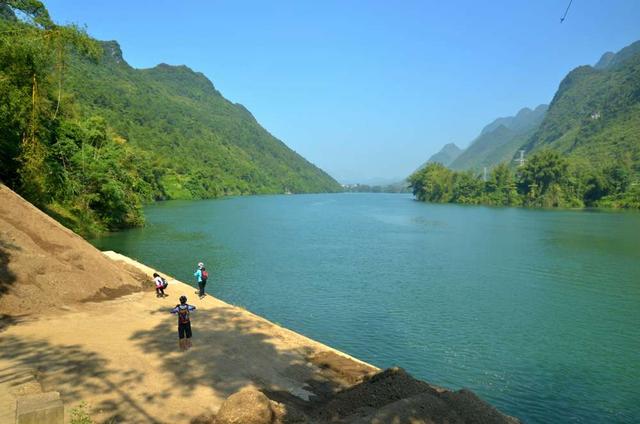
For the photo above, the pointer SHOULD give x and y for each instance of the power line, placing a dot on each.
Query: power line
(566, 11)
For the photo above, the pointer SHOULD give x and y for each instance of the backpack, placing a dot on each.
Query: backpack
(183, 314)
(164, 283)
(204, 275)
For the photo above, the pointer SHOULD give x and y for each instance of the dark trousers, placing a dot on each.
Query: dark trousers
(184, 330)
(201, 285)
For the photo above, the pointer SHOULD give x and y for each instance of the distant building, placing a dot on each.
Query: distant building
(595, 115)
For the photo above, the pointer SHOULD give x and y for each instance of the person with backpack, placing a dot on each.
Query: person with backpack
(202, 276)
(161, 284)
(183, 310)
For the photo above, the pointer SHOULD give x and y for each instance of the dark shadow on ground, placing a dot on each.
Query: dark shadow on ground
(7, 278)
(231, 351)
(7, 321)
(72, 370)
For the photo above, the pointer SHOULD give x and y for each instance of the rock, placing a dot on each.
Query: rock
(41, 408)
(283, 414)
(248, 406)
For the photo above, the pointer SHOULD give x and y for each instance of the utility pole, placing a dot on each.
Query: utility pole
(485, 174)
(520, 160)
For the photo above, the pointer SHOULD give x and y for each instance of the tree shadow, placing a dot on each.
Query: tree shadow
(232, 350)
(7, 277)
(74, 372)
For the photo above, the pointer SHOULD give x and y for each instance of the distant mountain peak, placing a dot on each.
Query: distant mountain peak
(182, 74)
(612, 60)
(451, 146)
(524, 111)
(178, 68)
(524, 119)
(446, 155)
(246, 111)
(594, 110)
(112, 52)
(605, 60)
(499, 140)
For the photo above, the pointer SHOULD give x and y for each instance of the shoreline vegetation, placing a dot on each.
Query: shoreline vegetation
(90, 140)
(546, 180)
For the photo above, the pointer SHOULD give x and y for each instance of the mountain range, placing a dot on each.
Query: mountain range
(445, 156)
(206, 145)
(594, 116)
(500, 140)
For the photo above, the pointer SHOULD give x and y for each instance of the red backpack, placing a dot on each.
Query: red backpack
(204, 275)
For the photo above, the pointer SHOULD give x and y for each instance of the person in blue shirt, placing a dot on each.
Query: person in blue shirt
(201, 278)
(183, 310)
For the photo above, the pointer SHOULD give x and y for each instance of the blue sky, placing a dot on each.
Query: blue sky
(367, 90)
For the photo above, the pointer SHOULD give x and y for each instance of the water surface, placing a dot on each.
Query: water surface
(537, 311)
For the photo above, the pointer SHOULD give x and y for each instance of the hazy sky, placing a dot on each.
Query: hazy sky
(367, 90)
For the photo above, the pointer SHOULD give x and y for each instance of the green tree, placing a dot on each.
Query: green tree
(543, 179)
(501, 187)
(467, 188)
(433, 183)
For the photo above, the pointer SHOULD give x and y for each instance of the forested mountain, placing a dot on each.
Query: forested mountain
(595, 114)
(446, 155)
(500, 140)
(206, 145)
(89, 139)
(585, 152)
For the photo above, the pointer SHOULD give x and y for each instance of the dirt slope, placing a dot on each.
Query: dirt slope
(44, 265)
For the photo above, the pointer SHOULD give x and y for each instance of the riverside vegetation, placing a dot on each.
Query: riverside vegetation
(90, 139)
(546, 180)
(584, 150)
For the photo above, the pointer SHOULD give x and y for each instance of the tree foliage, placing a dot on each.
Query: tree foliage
(585, 152)
(547, 179)
(77, 168)
(90, 139)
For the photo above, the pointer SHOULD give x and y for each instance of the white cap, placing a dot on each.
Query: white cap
(200, 264)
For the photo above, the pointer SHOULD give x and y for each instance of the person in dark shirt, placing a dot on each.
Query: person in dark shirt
(183, 310)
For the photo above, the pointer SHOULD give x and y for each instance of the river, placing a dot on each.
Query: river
(538, 311)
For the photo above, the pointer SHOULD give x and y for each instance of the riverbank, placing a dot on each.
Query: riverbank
(120, 357)
(87, 325)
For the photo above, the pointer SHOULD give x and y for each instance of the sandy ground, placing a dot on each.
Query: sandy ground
(121, 357)
(44, 265)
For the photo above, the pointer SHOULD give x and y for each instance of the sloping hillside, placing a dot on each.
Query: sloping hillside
(89, 139)
(44, 265)
(500, 140)
(595, 114)
(446, 155)
(207, 145)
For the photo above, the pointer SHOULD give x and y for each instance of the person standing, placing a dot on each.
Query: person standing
(183, 310)
(202, 276)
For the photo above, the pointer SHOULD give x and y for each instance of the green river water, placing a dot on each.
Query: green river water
(537, 311)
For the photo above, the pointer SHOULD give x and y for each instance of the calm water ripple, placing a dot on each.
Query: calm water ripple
(537, 311)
